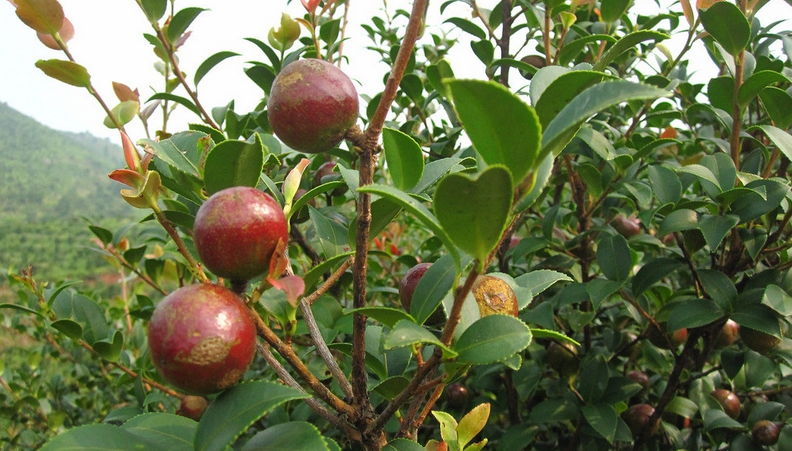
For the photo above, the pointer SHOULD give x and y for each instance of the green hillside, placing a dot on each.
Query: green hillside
(48, 181)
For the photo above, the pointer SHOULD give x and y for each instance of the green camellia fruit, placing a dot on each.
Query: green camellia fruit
(236, 231)
(729, 401)
(563, 357)
(202, 338)
(312, 105)
(758, 341)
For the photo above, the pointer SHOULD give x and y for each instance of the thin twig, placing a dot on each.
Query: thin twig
(323, 350)
(315, 405)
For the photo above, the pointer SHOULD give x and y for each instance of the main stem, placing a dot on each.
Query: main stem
(368, 144)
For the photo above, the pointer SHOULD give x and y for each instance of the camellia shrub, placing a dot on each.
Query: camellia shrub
(603, 242)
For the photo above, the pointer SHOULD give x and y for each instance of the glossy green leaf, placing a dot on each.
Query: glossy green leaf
(210, 63)
(593, 380)
(484, 51)
(412, 205)
(332, 234)
(562, 90)
(84, 311)
(541, 178)
(678, 221)
(692, 313)
(293, 436)
(778, 104)
(722, 167)
(593, 100)
(388, 316)
(71, 329)
(666, 187)
(756, 83)
(433, 287)
(504, 129)
(611, 11)
(402, 444)
(613, 257)
(44, 16)
(67, 72)
(436, 73)
(234, 163)
(683, 407)
(781, 139)
(183, 101)
(181, 21)
(407, 333)
(753, 205)
(475, 211)
(163, 430)
(491, 339)
(20, 308)
(728, 25)
(777, 299)
(234, 410)
(716, 227)
(603, 418)
(373, 362)
(653, 272)
(571, 50)
(720, 92)
(758, 317)
(717, 419)
(626, 43)
(154, 9)
(537, 281)
(404, 158)
(702, 172)
(468, 27)
(104, 437)
(110, 349)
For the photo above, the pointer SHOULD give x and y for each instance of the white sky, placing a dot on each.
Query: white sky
(108, 42)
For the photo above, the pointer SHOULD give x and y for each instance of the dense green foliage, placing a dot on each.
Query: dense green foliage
(631, 211)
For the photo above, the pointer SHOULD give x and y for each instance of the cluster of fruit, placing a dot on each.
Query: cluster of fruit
(202, 337)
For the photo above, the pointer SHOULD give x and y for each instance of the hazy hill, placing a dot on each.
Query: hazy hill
(48, 180)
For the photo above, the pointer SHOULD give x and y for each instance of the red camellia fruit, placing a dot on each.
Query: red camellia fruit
(312, 105)
(202, 338)
(456, 396)
(236, 231)
(409, 282)
(640, 378)
(729, 401)
(407, 286)
(637, 419)
(765, 433)
(192, 407)
(727, 335)
(627, 227)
